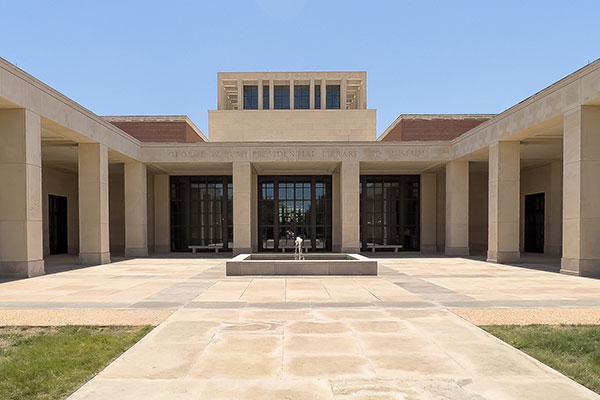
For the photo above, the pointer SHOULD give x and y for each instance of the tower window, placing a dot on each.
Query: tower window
(332, 99)
(250, 97)
(301, 97)
(281, 97)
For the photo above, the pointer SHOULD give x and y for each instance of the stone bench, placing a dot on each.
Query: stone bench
(194, 248)
(384, 246)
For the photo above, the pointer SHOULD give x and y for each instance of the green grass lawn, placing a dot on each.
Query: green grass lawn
(573, 350)
(51, 363)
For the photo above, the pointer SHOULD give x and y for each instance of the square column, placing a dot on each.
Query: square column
(271, 95)
(350, 206)
(428, 213)
(136, 210)
(581, 192)
(343, 94)
(503, 202)
(323, 94)
(21, 243)
(336, 217)
(291, 94)
(260, 94)
(240, 90)
(311, 95)
(553, 244)
(242, 206)
(457, 208)
(93, 204)
(162, 224)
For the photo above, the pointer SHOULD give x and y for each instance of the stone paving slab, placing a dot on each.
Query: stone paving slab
(391, 336)
(345, 353)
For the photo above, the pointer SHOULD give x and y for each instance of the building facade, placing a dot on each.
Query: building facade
(295, 154)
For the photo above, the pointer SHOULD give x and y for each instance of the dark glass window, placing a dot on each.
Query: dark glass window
(332, 98)
(250, 97)
(301, 97)
(265, 97)
(291, 206)
(201, 212)
(317, 97)
(281, 97)
(389, 211)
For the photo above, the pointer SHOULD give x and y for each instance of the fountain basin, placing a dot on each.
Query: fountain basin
(313, 264)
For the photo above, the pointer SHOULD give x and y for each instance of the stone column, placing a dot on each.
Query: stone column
(93, 204)
(336, 219)
(363, 95)
(271, 95)
(254, 212)
(457, 208)
(503, 202)
(311, 95)
(428, 213)
(554, 201)
(343, 94)
(21, 243)
(291, 94)
(350, 206)
(260, 94)
(323, 94)
(240, 90)
(162, 225)
(242, 205)
(581, 192)
(136, 210)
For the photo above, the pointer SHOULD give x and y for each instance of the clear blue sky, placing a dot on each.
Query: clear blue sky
(162, 57)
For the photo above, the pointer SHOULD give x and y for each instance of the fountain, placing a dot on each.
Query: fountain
(300, 263)
(298, 249)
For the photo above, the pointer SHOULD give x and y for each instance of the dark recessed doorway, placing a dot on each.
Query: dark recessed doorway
(58, 225)
(534, 223)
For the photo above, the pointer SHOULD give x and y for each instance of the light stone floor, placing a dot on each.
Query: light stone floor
(396, 336)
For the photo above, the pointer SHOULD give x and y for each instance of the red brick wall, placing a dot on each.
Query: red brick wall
(159, 131)
(431, 129)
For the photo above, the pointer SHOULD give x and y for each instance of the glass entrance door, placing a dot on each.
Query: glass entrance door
(201, 212)
(389, 212)
(292, 206)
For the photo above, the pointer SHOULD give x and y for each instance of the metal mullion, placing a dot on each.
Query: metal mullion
(224, 215)
(313, 214)
(362, 210)
(276, 214)
(417, 214)
(188, 199)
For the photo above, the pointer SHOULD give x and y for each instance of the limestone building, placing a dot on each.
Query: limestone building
(295, 154)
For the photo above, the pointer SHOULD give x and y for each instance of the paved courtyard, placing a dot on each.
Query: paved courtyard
(403, 335)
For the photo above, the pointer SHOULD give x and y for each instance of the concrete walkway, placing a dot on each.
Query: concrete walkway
(397, 336)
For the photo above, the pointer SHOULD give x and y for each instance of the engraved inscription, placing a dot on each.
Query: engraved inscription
(339, 153)
(288, 154)
(284, 153)
(405, 153)
(195, 154)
